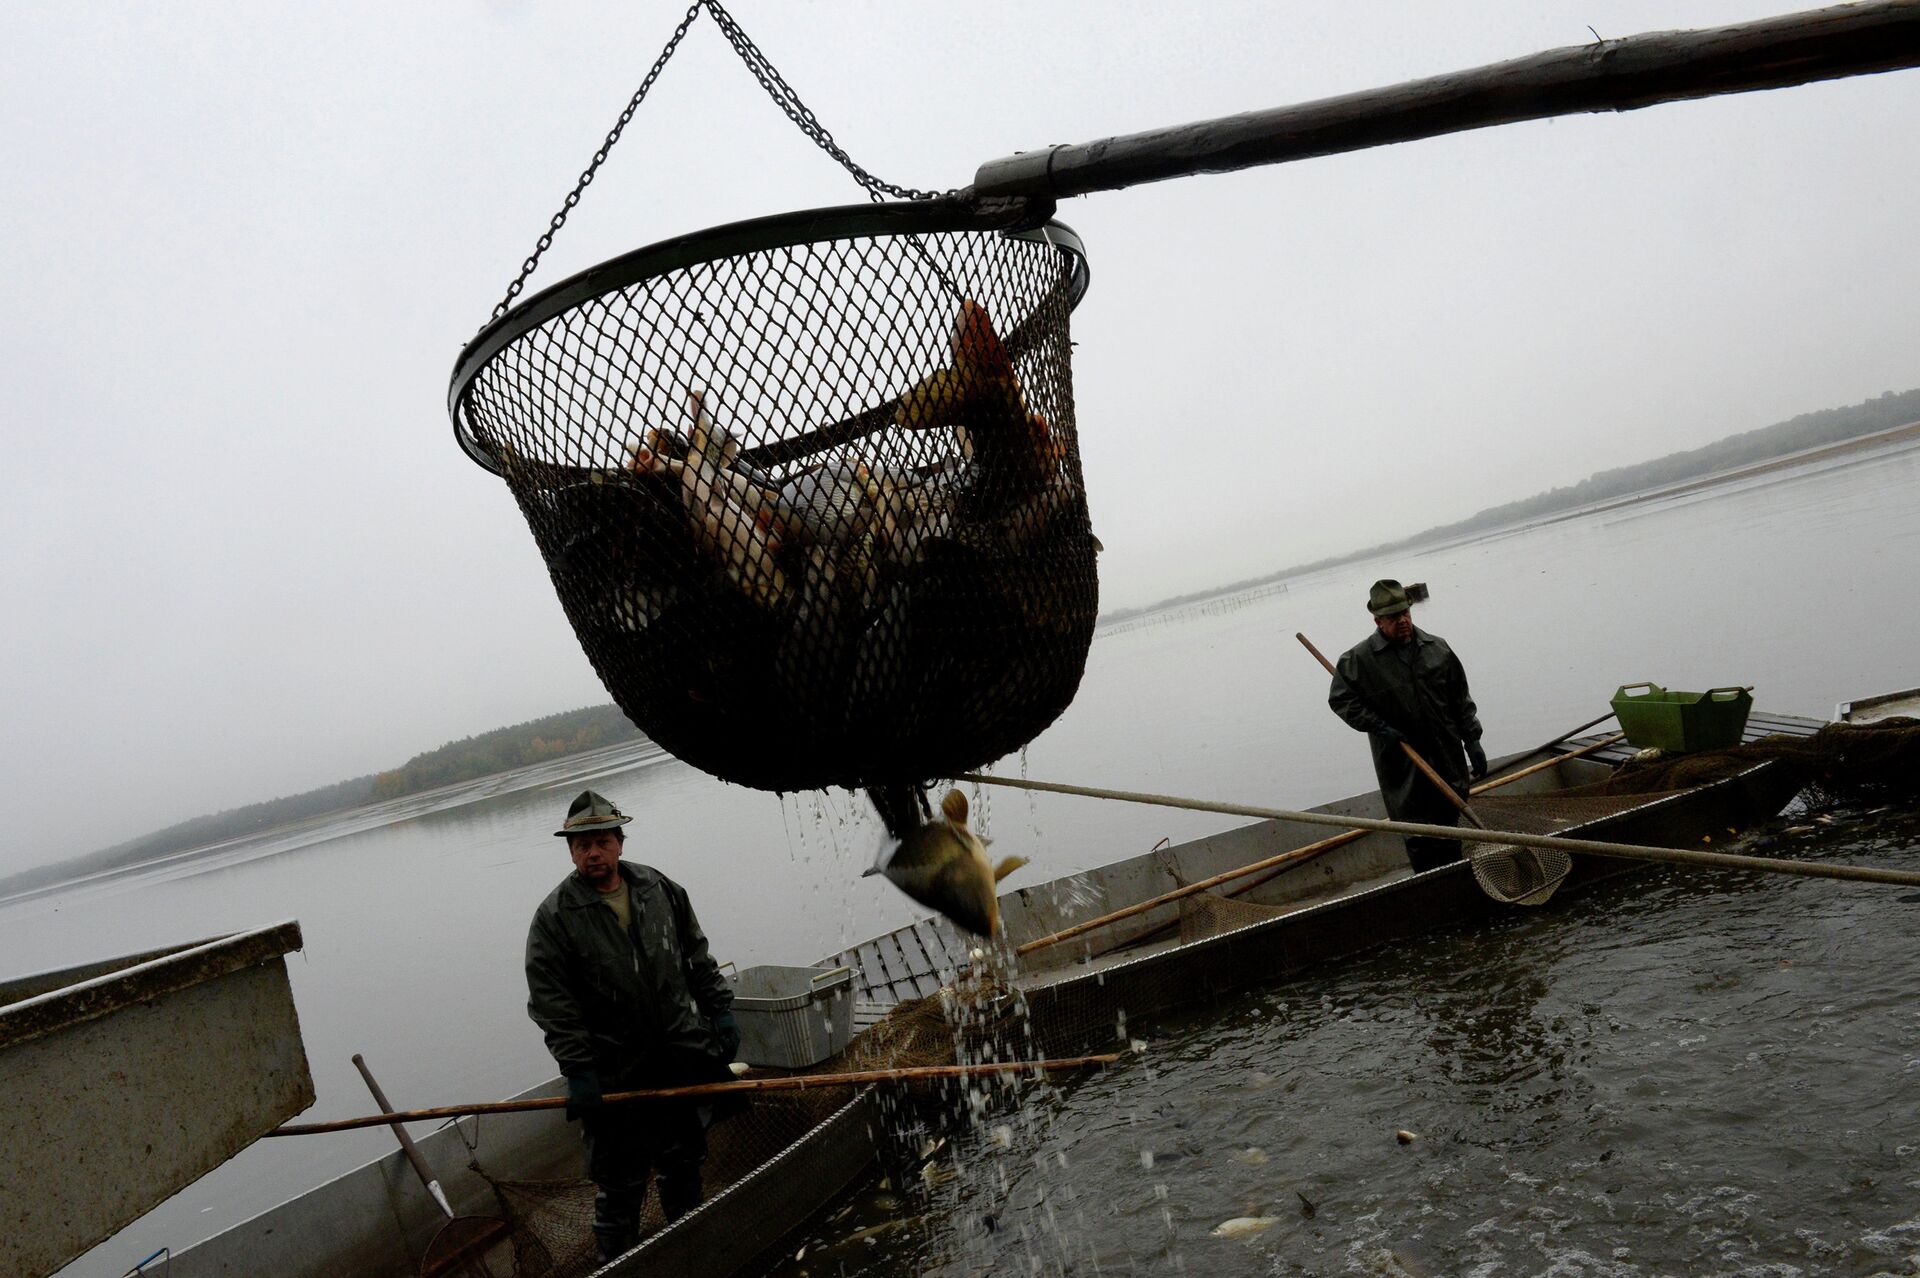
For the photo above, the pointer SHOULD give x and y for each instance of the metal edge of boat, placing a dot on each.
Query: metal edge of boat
(1263, 953)
(1885, 705)
(1260, 953)
(737, 1228)
(111, 1066)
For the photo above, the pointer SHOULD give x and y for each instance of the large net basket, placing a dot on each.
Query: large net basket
(809, 487)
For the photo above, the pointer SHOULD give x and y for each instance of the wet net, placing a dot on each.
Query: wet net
(551, 1221)
(809, 488)
(1876, 762)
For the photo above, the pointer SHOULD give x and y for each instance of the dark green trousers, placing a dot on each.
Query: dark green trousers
(626, 1145)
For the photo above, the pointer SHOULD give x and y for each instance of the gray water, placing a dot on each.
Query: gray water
(1650, 1043)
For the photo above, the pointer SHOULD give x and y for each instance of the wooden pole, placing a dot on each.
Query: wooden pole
(1483, 787)
(1439, 783)
(407, 1146)
(1609, 75)
(1591, 723)
(1544, 764)
(791, 1083)
(1590, 847)
(1283, 860)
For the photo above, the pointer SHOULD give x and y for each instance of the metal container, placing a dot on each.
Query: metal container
(127, 1080)
(1682, 722)
(793, 1017)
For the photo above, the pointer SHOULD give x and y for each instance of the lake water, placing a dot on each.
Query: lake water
(1646, 1084)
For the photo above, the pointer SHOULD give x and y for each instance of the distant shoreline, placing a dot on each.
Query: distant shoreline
(557, 738)
(1898, 434)
(1454, 534)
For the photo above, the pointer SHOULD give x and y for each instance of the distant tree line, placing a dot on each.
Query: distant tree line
(465, 760)
(1809, 430)
(504, 749)
(575, 731)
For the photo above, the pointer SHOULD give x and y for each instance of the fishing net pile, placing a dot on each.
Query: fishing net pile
(551, 1220)
(1876, 762)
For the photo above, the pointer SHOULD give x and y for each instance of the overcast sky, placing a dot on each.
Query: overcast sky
(243, 244)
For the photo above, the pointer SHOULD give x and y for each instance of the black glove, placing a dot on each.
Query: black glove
(727, 1030)
(1476, 759)
(583, 1094)
(1391, 733)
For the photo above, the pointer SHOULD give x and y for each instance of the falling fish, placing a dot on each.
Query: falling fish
(1242, 1227)
(1252, 1156)
(943, 865)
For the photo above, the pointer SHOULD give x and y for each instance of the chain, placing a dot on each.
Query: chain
(803, 118)
(599, 157)
(777, 88)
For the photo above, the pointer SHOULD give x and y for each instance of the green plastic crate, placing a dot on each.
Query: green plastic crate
(1682, 722)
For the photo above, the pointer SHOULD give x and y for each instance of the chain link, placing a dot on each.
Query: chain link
(777, 88)
(803, 118)
(599, 157)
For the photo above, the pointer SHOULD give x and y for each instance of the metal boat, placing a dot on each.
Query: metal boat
(766, 1182)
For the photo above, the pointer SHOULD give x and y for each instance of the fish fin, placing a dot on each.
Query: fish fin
(953, 805)
(1008, 864)
(976, 347)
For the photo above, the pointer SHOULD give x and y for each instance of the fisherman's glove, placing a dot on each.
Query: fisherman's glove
(1393, 735)
(727, 1030)
(583, 1094)
(1476, 759)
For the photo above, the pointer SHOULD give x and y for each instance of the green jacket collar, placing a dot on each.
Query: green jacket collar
(1382, 644)
(578, 894)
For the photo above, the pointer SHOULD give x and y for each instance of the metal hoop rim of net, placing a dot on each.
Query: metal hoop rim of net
(1024, 219)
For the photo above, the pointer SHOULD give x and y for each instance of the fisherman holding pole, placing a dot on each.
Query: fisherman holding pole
(1402, 686)
(620, 981)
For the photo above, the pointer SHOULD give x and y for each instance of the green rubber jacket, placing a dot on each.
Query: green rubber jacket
(1422, 693)
(626, 1004)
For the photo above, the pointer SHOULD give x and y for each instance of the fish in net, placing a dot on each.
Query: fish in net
(809, 488)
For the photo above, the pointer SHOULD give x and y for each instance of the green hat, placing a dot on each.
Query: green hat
(1387, 598)
(592, 812)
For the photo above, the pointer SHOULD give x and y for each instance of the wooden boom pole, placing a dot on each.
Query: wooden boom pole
(1611, 75)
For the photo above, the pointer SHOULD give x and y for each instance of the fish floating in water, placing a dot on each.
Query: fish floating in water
(943, 865)
(1244, 1227)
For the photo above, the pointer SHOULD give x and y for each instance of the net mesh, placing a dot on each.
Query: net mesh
(986, 1020)
(1874, 762)
(484, 1247)
(1207, 914)
(814, 510)
(551, 1220)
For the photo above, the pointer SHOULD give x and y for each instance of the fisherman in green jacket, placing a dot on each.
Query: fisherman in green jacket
(620, 981)
(1401, 684)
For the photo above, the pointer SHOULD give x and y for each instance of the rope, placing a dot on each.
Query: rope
(1593, 847)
